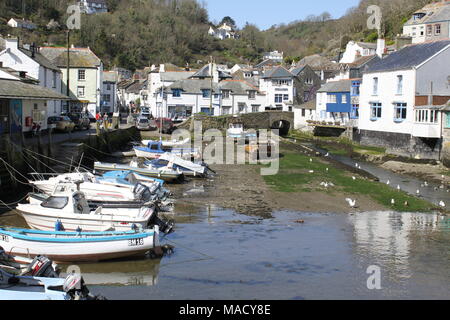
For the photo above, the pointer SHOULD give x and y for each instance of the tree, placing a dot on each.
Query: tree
(229, 21)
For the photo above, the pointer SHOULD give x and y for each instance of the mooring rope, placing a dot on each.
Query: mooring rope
(7, 205)
(7, 166)
(189, 249)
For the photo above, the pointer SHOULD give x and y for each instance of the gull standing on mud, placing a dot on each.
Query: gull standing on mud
(351, 203)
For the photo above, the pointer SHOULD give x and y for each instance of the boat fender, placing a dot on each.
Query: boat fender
(59, 226)
(79, 230)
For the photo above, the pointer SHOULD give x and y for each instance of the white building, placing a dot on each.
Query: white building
(93, 6)
(85, 77)
(24, 24)
(109, 92)
(400, 100)
(29, 60)
(279, 85)
(432, 22)
(274, 55)
(223, 32)
(356, 50)
(23, 102)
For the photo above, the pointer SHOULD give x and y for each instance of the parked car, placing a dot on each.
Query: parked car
(167, 125)
(81, 121)
(62, 123)
(143, 123)
(145, 112)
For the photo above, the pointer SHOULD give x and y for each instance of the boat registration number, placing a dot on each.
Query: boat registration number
(136, 242)
(4, 238)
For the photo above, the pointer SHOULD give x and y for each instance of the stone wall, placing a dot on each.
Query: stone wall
(402, 144)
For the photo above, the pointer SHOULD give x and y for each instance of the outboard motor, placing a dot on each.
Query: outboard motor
(41, 266)
(165, 226)
(142, 192)
(75, 287)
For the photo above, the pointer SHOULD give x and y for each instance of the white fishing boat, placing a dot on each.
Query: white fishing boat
(169, 143)
(69, 247)
(170, 161)
(100, 189)
(14, 287)
(72, 210)
(154, 150)
(167, 175)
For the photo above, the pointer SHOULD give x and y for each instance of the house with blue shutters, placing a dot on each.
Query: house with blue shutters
(333, 104)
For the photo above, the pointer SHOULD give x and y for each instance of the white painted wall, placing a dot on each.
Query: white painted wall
(270, 88)
(351, 50)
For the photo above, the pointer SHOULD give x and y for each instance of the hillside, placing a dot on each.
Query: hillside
(137, 33)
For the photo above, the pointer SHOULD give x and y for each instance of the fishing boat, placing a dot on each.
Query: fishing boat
(69, 247)
(163, 174)
(72, 211)
(236, 131)
(39, 266)
(169, 144)
(14, 287)
(170, 161)
(154, 150)
(101, 189)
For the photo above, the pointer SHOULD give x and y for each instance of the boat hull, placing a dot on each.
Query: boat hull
(67, 250)
(163, 175)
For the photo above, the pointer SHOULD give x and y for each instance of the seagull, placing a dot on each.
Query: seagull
(442, 204)
(327, 155)
(351, 203)
(406, 204)
(354, 178)
(425, 184)
(393, 202)
(311, 171)
(398, 187)
(443, 177)
(356, 165)
(388, 182)
(328, 169)
(324, 184)
(310, 159)
(418, 191)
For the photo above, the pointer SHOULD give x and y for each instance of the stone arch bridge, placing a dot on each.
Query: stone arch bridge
(281, 120)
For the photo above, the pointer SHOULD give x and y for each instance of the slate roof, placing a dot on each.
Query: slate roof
(277, 72)
(317, 62)
(237, 86)
(39, 58)
(296, 71)
(408, 57)
(435, 12)
(194, 85)
(310, 105)
(267, 62)
(205, 73)
(367, 45)
(176, 75)
(79, 57)
(336, 86)
(136, 87)
(17, 89)
(362, 61)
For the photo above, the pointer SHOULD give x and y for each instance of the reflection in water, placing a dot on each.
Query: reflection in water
(389, 237)
(127, 273)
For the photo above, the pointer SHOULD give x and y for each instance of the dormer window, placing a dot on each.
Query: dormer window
(418, 16)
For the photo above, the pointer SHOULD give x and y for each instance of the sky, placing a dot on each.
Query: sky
(266, 13)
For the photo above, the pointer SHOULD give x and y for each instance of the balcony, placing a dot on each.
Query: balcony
(426, 130)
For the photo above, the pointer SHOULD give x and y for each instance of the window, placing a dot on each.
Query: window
(107, 97)
(207, 111)
(303, 113)
(176, 93)
(255, 108)
(226, 94)
(54, 80)
(344, 98)
(81, 75)
(241, 107)
(447, 119)
(355, 90)
(426, 116)
(375, 86)
(375, 110)
(80, 91)
(399, 112)
(399, 84)
(437, 29)
(332, 98)
(305, 96)
(216, 96)
(285, 97)
(355, 111)
(278, 98)
(252, 94)
(281, 82)
(108, 87)
(429, 30)
(206, 93)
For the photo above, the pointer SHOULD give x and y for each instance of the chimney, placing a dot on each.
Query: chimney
(12, 43)
(381, 47)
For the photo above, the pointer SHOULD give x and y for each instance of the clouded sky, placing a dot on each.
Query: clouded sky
(265, 13)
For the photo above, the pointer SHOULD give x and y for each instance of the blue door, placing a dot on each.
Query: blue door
(16, 116)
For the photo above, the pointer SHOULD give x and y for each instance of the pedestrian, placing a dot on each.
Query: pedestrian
(105, 121)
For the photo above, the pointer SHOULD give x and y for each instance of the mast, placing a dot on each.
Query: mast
(68, 70)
